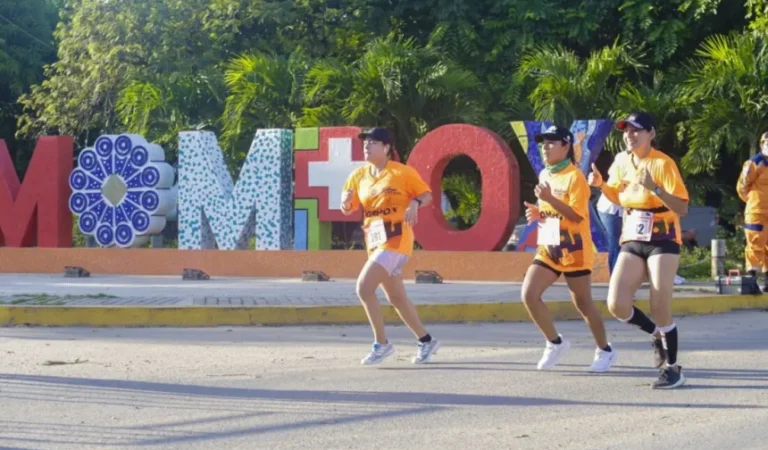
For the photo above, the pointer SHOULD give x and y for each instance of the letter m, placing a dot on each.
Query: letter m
(36, 213)
(213, 211)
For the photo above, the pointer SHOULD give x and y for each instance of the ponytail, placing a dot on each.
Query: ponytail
(571, 152)
(391, 153)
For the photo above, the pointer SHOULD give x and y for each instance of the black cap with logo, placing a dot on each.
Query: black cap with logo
(555, 133)
(376, 134)
(639, 120)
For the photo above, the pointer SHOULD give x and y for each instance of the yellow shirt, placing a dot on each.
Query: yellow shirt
(575, 251)
(622, 188)
(386, 197)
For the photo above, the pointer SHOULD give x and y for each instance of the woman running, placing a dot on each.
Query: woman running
(648, 185)
(390, 194)
(564, 247)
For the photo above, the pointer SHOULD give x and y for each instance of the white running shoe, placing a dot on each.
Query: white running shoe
(603, 360)
(552, 354)
(426, 350)
(378, 353)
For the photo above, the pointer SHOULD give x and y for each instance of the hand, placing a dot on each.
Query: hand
(644, 179)
(412, 213)
(346, 199)
(543, 191)
(532, 213)
(595, 179)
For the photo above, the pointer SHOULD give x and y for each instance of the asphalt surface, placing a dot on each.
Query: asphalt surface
(303, 388)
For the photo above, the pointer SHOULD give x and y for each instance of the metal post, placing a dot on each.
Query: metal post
(157, 240)
(718, 257)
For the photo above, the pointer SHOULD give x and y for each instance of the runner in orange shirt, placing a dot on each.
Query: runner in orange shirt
(564, 247)
(648, 185)
(390, 194)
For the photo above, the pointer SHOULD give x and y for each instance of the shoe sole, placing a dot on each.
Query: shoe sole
(429, 357)
(557, 360)
(679, 383)
(613, 359)
(386, 355)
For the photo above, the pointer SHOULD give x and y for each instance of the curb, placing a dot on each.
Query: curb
(200, 316)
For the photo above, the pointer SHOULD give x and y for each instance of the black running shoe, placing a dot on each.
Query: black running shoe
(669, 378)
(659, 352)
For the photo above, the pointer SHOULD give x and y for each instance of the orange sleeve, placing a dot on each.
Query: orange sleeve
(746, 179)
(611, 186)
(352, 184)
(578, 195)
(415, 184)
(671, 180)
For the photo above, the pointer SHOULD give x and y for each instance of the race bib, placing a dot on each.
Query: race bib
(549, 232)
(376, 235)
(638, 226)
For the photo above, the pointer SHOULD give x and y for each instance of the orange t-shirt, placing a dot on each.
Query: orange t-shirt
(752, 188)
(386, 197)
(632, 195)
(575, 251)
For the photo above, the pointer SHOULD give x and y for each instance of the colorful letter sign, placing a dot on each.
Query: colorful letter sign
(122, 190)
(35, 213)
(213, 210)
(589, 137)
(500, 186)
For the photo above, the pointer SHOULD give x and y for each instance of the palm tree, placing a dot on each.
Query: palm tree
(565, 87)
(162, 106)
(396, 83)
(264, 92)
(727, 92)
(465, 188)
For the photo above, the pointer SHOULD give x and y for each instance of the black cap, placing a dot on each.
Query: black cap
(555, 133)
(641, 120)
(376, 134)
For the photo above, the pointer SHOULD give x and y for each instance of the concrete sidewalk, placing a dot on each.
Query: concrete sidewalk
(122, 290)
(117, 300)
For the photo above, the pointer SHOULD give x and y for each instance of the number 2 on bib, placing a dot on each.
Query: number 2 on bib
(638, 226)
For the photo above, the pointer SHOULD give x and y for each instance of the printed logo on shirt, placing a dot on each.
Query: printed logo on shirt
(381, 212)
(551, 215)
(373, 193)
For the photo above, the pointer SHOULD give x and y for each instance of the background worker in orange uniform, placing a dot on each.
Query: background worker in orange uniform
(753, 189)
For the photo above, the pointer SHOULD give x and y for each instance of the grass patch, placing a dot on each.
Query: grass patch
(52, 300)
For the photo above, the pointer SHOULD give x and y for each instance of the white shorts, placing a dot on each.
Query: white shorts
(392, 262)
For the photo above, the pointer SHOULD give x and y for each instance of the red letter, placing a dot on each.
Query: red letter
(500, 188)
(36, 213)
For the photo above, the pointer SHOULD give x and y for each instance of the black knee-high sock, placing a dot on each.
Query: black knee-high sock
(669, 338)
(642, 321)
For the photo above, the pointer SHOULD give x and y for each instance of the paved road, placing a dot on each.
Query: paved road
(232, 291)
(302, 388)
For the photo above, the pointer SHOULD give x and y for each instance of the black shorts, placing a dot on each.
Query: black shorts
(574, 274)
(647, 249)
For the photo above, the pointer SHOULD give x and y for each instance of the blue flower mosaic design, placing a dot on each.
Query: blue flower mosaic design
(121, 190)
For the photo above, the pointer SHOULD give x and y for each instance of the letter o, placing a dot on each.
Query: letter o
(500, 188)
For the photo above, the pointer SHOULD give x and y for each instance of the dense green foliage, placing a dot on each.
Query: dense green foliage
(86, 67)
